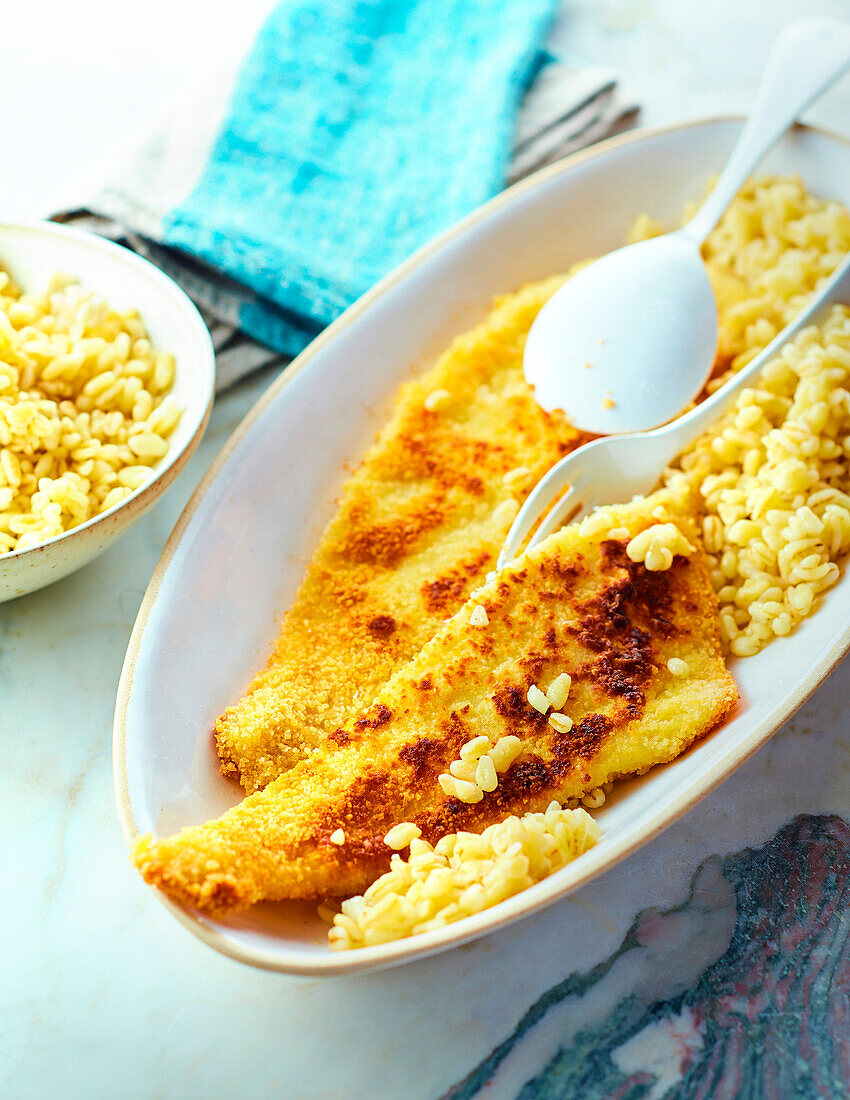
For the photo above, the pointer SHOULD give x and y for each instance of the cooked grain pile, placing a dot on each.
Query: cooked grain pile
(85, 409)
(461, 875)
(770, 484)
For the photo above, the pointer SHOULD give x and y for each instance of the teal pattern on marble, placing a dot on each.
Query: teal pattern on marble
(766, 1017)
(357, 131)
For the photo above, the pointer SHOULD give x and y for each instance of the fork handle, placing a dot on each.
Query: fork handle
(806, 58)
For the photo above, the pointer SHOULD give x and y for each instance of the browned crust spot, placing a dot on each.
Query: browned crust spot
(424, 757)
(382, 626)
(447, 458)
(443, 595)
(386, 542)
(510, 702)
(375, 717)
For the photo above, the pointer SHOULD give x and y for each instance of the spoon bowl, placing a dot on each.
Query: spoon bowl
(626, 344)
(622, 328)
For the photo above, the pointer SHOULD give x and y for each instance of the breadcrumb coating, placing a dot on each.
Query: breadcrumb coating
(419, 525)
(575, 604)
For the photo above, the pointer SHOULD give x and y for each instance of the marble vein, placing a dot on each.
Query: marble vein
(767, 1016)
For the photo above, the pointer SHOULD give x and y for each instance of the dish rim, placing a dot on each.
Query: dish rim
(531, 900)
(173, 463)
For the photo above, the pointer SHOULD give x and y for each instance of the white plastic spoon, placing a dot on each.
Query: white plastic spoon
(611, 471)
(629, 341)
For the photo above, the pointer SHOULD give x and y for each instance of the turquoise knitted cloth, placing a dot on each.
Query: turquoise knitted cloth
(358, 129)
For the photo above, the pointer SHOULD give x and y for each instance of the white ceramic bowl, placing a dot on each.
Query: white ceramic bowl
(31, 253)
(238, 552)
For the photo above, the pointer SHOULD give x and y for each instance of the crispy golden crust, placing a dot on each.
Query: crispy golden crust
(415, 531)
(575, 604)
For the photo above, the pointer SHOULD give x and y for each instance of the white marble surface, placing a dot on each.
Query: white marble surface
(102, 993)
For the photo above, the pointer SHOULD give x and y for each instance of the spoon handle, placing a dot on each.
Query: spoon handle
(807, 57)
(685, 430)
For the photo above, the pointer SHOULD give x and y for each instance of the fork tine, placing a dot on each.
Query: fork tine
(522, 526)
(570, 509)
(562, 475)
(590, 501)
(563, 512)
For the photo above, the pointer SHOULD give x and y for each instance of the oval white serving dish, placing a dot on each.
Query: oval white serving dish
(239, 550)
(32, 253)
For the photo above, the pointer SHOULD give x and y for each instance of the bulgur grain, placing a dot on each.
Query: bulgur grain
(462, 874)
(84, 414)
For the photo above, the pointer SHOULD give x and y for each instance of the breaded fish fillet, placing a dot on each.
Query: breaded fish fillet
(575, 604)
(419, 524)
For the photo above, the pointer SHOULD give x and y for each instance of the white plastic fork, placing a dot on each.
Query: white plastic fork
(614, 469)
